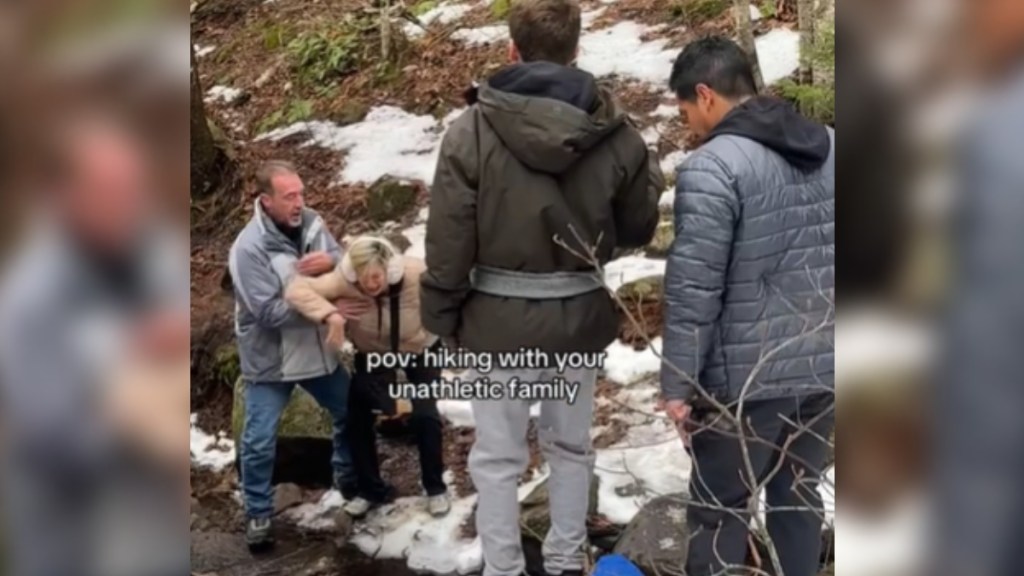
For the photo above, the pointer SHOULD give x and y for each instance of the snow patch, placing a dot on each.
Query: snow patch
(778, 53)
(827, 489)
(629, 268)
(482, 35)
(444, 13)
(619, 50)
(417, 236)
(406, 530)
(458, 412)
(319, 515)
(203, 50)
(876, 341)
(209, 452)
(587, 18)
(225, 94)
(631, 477)
(624, 365)
(755, 13)
(390, 141)
(666, 111)
(670, 163)
(668, 199)
(651, 135)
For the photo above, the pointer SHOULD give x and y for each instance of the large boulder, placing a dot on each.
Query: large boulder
(656, 538)
(303, 417)
(390, 199)
(535, 510)
(647, 289)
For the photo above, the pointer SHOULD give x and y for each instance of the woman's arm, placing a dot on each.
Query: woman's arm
(313, 297)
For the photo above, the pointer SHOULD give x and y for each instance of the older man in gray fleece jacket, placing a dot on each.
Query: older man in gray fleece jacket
(749, 296)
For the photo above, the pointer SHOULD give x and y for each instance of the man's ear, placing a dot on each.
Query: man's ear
(705, 96)
(513, 53)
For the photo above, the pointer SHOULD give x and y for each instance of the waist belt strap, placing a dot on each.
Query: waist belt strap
(533, 285)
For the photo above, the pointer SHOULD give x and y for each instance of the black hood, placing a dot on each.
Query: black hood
(548, 80)
(776, 124)
(547, 115)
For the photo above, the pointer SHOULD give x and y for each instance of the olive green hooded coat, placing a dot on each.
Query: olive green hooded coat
(543, 152)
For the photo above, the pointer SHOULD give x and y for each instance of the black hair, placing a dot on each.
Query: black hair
(716, 62)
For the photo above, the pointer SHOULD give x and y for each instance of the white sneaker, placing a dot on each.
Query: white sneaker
(439, 505)
(358, 507)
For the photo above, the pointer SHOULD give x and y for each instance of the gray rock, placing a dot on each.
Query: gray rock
(286, 496)
(656, 538)
(535, 510)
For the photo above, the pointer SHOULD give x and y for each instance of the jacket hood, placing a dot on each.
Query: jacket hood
(776, 124)
(546, 114)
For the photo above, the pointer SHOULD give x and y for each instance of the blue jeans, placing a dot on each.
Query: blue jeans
(264, 404)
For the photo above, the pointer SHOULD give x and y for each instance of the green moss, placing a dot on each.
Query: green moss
(302, 418)
(816, 101)
(421, 8)
(664, 234)
(649, 288)
(499, 8)
(390, 199)
(767, 8)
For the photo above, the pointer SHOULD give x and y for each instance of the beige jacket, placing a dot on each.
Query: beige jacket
(314, 298)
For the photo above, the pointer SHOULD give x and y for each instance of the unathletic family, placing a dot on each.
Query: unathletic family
(542, 152)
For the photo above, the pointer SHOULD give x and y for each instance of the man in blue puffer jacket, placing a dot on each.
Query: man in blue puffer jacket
(749, 294)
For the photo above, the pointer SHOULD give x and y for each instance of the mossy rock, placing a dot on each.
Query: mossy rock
(664, 234)
(647, 289)
(303, 417)
(535, 510)
(655, 540)
(390, 199)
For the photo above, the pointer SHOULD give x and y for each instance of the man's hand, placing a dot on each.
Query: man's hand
(352, 308)
(315, 264)
(679, 412)
(335, 330)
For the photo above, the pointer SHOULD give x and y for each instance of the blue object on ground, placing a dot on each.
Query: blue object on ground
(616, 565)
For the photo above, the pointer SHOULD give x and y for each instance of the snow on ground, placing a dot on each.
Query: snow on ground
(203, 50)
(404, 529)
(482, 35)
(672, 160)
(651, 135)
(587, 18)
(630, 477)
(225, 94)
(629, 268)
(625, 365)
(827, 489)
(619, 50)
(667, 199)
(873, 341)
(389, 141)
(208, 452)
(755, 13)
(666, 111)
(445, 13)
(417, 236)
(778, 52)
(896, 539)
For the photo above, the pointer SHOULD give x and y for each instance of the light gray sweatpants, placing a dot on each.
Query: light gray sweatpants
(500, 456)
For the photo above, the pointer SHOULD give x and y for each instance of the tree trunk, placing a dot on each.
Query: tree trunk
(806, 17)
(206, 157)
(745, 28)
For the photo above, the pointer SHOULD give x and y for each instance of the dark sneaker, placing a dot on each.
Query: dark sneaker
(258, 534)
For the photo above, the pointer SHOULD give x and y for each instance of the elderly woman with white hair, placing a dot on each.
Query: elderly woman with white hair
(379, 294)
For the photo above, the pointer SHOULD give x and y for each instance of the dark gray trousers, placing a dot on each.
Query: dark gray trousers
(718, 537)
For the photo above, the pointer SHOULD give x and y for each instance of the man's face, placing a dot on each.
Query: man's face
(700, 114)
(109, 195)
(284, 204)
